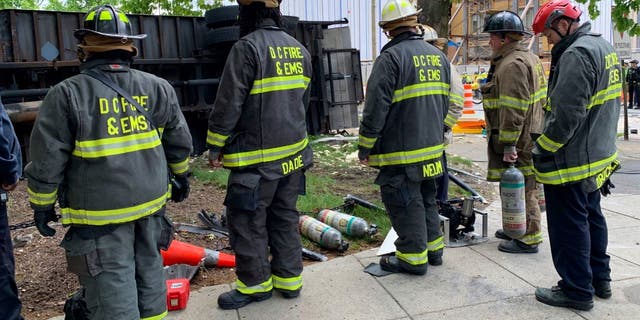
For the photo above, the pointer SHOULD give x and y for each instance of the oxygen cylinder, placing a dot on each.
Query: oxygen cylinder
(351, 225)
(514, 221)
(322, 234)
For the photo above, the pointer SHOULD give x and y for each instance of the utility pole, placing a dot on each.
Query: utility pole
(374, 30)
(465, 26)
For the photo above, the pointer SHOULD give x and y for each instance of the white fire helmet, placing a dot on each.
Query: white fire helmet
(396, 10)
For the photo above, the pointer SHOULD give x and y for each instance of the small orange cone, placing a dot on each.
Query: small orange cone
(182, 252)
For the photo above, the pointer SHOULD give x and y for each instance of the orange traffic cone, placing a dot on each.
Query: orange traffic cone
(468, 100)
(182, 252)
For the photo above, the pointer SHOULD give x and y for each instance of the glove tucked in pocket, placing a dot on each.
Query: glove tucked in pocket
(82, 255)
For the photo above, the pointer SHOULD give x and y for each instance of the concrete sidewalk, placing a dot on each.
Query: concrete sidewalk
(476, 282)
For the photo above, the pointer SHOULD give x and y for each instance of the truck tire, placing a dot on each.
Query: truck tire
(221, 17)
(224, 35)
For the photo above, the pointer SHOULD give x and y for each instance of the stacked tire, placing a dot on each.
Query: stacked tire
(222, 30)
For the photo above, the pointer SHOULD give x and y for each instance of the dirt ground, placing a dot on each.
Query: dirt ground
(41, 274)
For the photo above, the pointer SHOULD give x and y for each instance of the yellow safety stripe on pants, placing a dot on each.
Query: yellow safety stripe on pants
(610, 93)
(456, 99)
(436, 244)
(532, 239)
(265, 155)
(42, 199)
(291, 284)
(366, 142)
(515, 103)
(158, 317)
(406, 157)
(507, 137)
(180, 167)
(547, 144)
(419, 90)
(216, 139)
(496, 174)
(490, 104)
(259, 288)
(574, 174)
(279, 84)
(413, 259)
(117, 145)
(450, 121)
(112, 216)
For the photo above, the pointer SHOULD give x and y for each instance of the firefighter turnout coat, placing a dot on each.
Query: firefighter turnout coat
(513, 100)
(259, 122)
(580, 125)
(407, 104)
(88, 142)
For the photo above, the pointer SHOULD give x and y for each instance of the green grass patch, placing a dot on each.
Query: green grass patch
(455, 161)
(204, 174)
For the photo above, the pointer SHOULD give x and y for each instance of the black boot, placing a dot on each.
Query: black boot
(517, 246)
(557, 298)
(234, 299)
(603, 289)
(435, 259)
(501, 235)
(289, 294)
(392, 264)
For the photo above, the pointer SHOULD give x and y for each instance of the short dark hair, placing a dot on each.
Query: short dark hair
(254, 14)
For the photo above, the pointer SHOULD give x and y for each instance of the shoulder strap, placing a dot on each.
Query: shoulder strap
(109, 83)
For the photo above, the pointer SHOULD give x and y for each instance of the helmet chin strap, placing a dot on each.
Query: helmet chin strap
(570, 21)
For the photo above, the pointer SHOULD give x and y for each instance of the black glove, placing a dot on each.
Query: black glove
(42, 217)
(179, 188)
(605, 190)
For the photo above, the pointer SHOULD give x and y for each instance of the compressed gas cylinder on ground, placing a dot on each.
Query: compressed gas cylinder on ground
(350, 225)
(512, 195)
(322, 234)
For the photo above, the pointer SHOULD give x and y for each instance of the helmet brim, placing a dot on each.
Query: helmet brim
(80, 33)
(382, 23)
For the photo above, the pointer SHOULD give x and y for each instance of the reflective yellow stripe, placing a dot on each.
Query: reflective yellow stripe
(121, 215)
(539, 95)
(419, 90)
(42, 199)
(489, 104)
(548, 144)
(436, 244)
(456, 99)
(602, 96)
(265, 155)
(509, 136)
(180, 167)
(90, 16)
(532, 239)
(366, 142)
(117, 145)
(515, 103)
(406, 157)
(292, 284)
(216, 139)
(574, 174)
(158, 317)
(450, 121)
(259, 288)
(123, 17)
(279, 84)
(413, 258)
(496, 174)
(105, 15)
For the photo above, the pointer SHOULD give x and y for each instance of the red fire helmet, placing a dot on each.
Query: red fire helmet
(553, 10)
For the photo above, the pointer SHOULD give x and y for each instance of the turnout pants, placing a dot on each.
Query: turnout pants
(411, 206)
(533, 234)
(121, 270)
(578, 238)
(442, 182)
(263, 220)
(9, 302)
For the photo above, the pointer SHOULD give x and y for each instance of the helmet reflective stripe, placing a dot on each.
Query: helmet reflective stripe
(105, 15)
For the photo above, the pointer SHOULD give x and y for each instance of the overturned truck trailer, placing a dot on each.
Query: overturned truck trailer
(38, 50)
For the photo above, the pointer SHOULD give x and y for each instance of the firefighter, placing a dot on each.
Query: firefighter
(576, 153)
(108, 164)
(10, 172)
(513, 98)
(401, 134)
(455, 109)
(257, 129)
